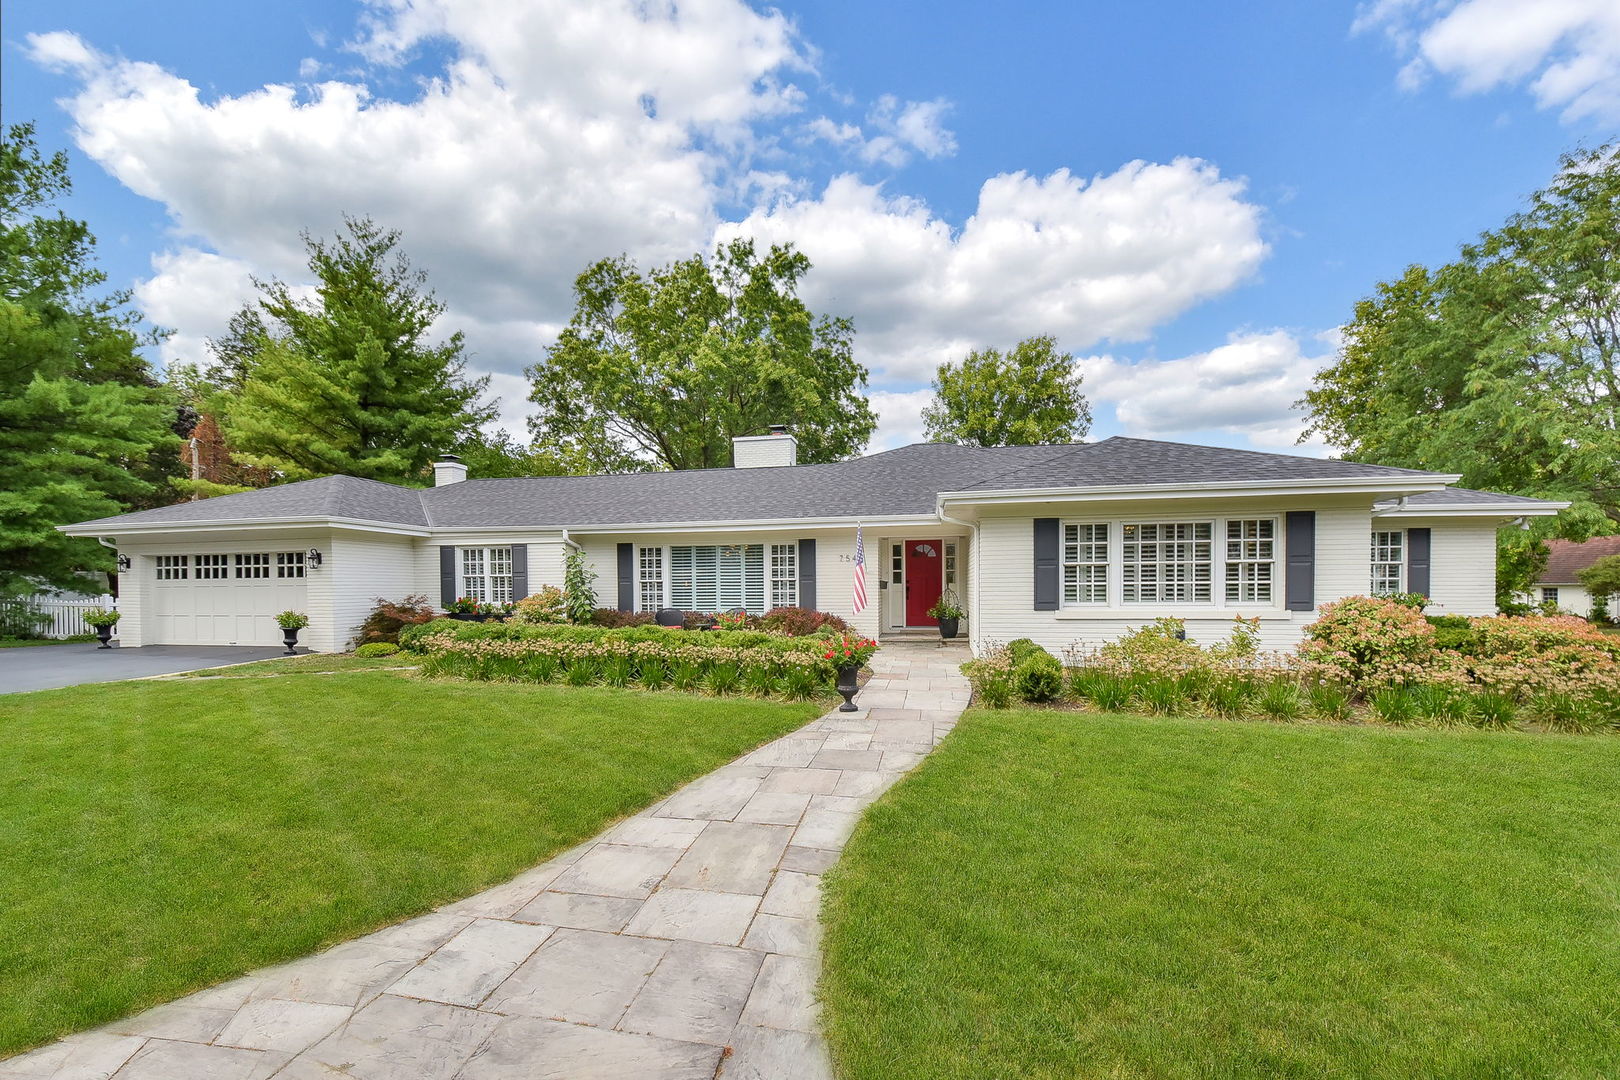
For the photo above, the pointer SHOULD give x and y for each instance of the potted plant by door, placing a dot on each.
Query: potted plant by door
(103, 622)
(949, 614)
(291, 622)
(847, 655)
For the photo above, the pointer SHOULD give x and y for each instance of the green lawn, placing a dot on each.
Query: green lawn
(158, 837)
(306, 663)
(1064, 895)
(29, 643)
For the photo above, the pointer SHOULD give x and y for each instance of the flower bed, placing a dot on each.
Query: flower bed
(1364, 659)
(649, 657)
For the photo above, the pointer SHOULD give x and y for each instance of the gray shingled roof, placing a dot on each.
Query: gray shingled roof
(1463, 497)
(905, 481)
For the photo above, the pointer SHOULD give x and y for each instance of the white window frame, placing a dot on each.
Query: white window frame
(173, 567)
(485, 574)
(1222, 570)
(1385, 549)
(1249, 569)
(652, 587)
(212, 566)
(289, 564)
(1549, 594)
(750, 575)
(1159, 585)
(782, 573)
(1079, 555)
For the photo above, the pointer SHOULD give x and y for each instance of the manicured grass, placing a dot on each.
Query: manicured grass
(311, 662)
(158, 837)
(29, 643)
(1064, 895)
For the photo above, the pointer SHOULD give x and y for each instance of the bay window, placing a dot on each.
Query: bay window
(486, 574)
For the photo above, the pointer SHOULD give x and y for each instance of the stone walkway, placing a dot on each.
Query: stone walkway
(644, 954)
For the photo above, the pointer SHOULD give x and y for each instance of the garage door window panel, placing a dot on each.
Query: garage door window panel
(212, 567)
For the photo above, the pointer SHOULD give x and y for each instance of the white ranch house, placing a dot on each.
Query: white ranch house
(1062, 543)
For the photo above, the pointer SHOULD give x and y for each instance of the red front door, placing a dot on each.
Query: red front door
(924, 563)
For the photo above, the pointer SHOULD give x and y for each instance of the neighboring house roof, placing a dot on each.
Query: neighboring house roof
(897, 483)
(1567, 558)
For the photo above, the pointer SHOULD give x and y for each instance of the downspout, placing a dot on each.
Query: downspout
(973, 565)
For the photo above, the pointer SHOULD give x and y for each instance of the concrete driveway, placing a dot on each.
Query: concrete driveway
(46, 667)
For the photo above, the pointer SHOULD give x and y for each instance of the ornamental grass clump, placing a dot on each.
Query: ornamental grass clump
(1282, 700)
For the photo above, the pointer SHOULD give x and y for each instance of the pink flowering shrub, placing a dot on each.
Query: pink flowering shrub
(1371, 641)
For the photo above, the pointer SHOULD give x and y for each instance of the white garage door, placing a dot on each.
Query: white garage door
(223, 598)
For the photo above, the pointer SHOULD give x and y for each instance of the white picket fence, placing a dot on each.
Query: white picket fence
(66, 613)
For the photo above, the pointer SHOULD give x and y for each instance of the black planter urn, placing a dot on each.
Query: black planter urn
(104, 635)
(948, 628)
(848, 683)
(289, 638)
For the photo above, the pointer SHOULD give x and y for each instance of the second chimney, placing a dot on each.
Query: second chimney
(764, 451)
(448, 470)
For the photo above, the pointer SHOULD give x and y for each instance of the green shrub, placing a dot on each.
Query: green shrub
(1232, 697)
(1393, 705)
(1328, 701)
(1495, 710)
(1110, 692)
(1161, 695)
(579, 586)
(546, 606)
(544, 668)
(652, 673)
(1569, 713)
(800, 682)
(1455, 633)
(685, 675)
(759, 679)
(1282, 700)
(1021, 649)
(582, 671)
(613, 618)
(1440, 704)
(1038, 679)
(377, 648)
(722, 677)
(617, 670)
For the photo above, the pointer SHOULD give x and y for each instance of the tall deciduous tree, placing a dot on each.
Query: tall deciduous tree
(1503, 365)
(1029, 394)
(347, 382)
(80, 411)
(662, 369)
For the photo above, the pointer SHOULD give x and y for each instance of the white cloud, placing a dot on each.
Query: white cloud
(1246, 387)
(558, 133)
(1568, 51)
(1087, 261)
(902, 129)
(194, 293)
(899, 413)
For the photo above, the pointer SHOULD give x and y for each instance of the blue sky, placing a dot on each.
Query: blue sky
(962, 174)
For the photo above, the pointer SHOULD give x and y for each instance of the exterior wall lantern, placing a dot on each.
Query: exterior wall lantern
(313, 557)
(124, 563)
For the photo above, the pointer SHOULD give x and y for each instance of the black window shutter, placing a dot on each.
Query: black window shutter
(1046, 564)
(1419, 545)
(807, 574)
(520, 571)
(1299, 535)
(447, 576)
(627, 577)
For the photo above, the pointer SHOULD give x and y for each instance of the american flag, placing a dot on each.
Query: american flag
(860, 572)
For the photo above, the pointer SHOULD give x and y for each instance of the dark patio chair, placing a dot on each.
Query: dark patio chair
(670, 617)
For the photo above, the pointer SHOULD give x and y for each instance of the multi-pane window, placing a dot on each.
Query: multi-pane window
(897, 563)
(172, 567)
(290, 564)
(1549, 595)
(950, 564)
(717, 577)
(1387, 560)
(213, 566)
(650, 582)
(253, 565)
(486, 574)
(1251, 554)
(784, 575)
(1085, 564)
(1167, 562)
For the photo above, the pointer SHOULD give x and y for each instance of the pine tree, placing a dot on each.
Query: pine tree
(80, 409)
(348, 382)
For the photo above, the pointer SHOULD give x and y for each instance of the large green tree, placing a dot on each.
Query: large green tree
(1029, 394)
(661, 369)
(81, 414)
(1503, 365)
(348, 381)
